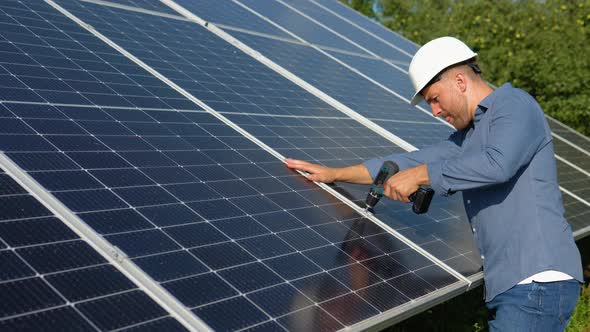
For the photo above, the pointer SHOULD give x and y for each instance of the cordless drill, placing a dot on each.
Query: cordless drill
(421, 198)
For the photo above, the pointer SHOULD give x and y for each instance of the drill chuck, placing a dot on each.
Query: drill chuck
(421, 198)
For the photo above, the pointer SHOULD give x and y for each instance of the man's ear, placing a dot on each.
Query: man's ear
(461, 81)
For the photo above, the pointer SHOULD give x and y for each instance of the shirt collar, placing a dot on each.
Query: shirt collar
(488, 102)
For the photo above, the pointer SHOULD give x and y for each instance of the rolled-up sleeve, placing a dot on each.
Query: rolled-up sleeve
(448, 148)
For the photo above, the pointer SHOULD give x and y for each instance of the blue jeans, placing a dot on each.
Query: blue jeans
(538, 306)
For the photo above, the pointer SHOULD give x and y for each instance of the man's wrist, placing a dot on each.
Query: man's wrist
(422, 175)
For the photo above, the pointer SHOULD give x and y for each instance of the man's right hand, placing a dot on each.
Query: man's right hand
(320, 173)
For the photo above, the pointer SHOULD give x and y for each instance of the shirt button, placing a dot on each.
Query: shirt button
(468, 201)
(473, 229)
(482, 257)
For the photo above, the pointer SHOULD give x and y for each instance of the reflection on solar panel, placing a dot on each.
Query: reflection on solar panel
(162, 142)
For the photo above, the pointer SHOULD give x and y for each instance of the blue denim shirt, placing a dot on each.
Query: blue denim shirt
(505, 166)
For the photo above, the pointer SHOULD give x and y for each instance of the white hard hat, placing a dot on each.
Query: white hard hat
(434, 57)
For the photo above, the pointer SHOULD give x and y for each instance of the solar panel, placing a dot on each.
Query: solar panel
(108, 163)
(301, 26)
(230, 15)
(368, 25)
(51, 279)
(285, 134)
(343, 28)
(166, 145)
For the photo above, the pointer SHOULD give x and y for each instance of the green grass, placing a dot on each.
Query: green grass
(580, 321)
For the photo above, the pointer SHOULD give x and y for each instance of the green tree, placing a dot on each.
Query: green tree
(363, 6)
(542, 47)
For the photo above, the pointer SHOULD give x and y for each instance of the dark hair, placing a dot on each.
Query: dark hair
(471, 63)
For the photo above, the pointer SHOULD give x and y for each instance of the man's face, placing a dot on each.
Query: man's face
(447, 101)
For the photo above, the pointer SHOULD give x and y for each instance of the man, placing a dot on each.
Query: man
(501, 157)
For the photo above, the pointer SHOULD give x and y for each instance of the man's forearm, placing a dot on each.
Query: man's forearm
(354, 174)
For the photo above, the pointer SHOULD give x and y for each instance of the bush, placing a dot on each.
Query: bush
(542, 47)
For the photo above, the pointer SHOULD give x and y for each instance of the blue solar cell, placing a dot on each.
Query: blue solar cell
(279, 300)
(194, 235)
(90, 283)
(48, 257)
(266, 246)
(320, 287)
(232, 314)
(16, 207)
(34, 231)
(240, 227)
(195, 191)
(303, 239)
(289, 200)
(13, 267)
(219, 256)
(411, 285)
(349, 309)
(256, 204)
(144, 196)
(216, 209)
(168, 266)
(163, 324)
(169, 215)
(116, 221)
(310, 319)
(169, 175)
(328, 257)
(249, 277)
(143, 243)
(61, 319)
(201, 289)
(67, 180)
(121, 310)
(27, 295)
(9, 187)
(279, 221)
(312, 216)
(292, 266)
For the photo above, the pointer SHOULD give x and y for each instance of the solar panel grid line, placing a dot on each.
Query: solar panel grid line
(257, 33)
(408, 310)
(95, 106)
(340, 35)
(135, 9)
(320, 49)
(578, 168)
(295, 79)
(361, 28)
(345, 10)
(104, 248)
(573, 145)
(568, 128)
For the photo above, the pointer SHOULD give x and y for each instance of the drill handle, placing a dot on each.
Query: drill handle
(421, 198)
